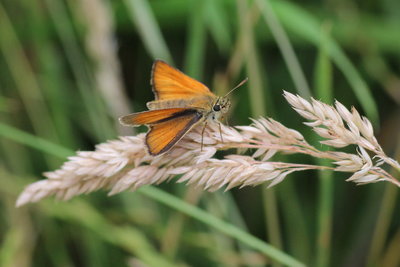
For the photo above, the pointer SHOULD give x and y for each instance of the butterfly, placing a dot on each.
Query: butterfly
(180, 104)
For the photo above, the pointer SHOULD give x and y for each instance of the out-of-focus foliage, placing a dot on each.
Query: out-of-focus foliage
(68, 69)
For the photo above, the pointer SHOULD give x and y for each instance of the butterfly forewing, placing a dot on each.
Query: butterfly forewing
(170, 83)
(163, 135)
(152, 116)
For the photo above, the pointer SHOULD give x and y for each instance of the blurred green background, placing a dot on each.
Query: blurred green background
(68, 69)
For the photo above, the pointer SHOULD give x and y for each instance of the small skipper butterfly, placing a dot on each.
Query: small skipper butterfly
(180, 104)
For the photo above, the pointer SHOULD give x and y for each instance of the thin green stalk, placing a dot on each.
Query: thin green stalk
(195, 48)
(258, 107)
(256, 86)
(391, 256)
(325, 210)
(286, 48)
(271, 217)
(384, 219)
(298, 239)
(323, 91)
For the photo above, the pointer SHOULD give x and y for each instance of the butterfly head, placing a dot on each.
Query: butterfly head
(222, 105)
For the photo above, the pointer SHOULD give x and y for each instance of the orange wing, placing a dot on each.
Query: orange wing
(170, 83)
(153, 116)
(164, 135)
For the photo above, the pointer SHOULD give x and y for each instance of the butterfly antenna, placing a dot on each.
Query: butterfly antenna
(237, 86)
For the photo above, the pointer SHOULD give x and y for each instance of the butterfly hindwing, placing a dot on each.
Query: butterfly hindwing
(170, 83)
(163, 135)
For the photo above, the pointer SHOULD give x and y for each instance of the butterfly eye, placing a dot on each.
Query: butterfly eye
(217, 108)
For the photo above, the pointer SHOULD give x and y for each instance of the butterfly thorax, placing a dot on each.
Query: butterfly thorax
(211, 107)
(204, 102)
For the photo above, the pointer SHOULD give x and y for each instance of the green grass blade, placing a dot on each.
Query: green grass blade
(220, 225)
(306, 26)
(100, 38)
(286, 48)
(4, 104)
(33, 141)
(53, 81)
(96, 118)
(27, 85)
(129, 238)
(196, 32)
(56, 250)
(218, 22)
(256, 86)
(148, 29)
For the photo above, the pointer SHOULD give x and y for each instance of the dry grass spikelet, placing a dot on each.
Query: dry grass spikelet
(124, 164)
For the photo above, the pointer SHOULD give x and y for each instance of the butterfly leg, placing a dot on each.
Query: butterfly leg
(226, 120)
(202, 134)
(220, 132)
